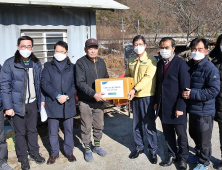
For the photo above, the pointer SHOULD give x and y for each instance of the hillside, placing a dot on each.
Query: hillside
(200, 17)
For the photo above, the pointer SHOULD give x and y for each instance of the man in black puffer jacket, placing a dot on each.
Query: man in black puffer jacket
(204, 87)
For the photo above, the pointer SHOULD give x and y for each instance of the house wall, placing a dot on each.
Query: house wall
(80, 24)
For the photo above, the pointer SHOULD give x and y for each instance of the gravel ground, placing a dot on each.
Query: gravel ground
(118, 142)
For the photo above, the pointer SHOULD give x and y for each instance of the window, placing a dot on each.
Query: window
(44, 42)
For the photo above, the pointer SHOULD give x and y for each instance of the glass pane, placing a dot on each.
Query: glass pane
(39, 54)
(37, 41)
(38, 48)
(50, 47)
(34, 35)
(55, 39)
(50, 53)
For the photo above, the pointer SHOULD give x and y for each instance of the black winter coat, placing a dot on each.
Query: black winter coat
(169, 89)
(217, 61)
(54, 82)
(86, 73)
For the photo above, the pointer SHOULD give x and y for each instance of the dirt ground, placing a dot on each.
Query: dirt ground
(115, 64)
(118, 142)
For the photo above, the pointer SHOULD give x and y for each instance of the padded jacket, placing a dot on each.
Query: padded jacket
(205, 86)
(14, 81)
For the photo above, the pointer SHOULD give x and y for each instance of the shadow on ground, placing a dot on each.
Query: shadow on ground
(44, 135)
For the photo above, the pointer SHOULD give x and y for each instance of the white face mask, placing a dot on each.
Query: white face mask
(197, 55)
(59, 56)
(165, 53)
(139, 49)
(25, 53)
(221, 48)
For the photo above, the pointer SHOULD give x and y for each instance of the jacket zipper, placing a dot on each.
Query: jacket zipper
(61, 84)
(24, 89)
(35, 77)
(193, 72)
(96, 70)
(62, 94)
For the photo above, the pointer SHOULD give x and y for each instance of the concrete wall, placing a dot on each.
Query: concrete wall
(79, 23)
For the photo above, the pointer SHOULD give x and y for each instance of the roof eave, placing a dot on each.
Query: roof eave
(98, 7)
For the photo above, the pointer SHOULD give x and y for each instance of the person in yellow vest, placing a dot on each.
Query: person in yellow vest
(142, 67)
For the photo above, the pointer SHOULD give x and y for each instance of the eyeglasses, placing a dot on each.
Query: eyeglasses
(24, 47)
(62, 52)
(135, 45)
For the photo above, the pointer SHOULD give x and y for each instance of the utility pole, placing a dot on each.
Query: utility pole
(138, 32)
(123, 31)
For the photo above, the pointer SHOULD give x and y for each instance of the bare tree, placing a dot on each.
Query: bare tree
(213, 18)
(195, 17)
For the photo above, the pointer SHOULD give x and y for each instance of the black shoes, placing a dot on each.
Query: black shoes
(153, 158)
(183, 165)
(33, 157)
(169, 161)
(37, 158)
(219, 166)
(135, 154)
(25, 164)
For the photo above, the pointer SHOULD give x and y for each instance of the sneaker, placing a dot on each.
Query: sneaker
(201, 167)
(37, 158)
(88, 157)
(5, 166)
(25, 164)
(100, 151)
(193, 159)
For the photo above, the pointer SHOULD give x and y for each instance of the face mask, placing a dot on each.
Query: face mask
(139, 49)
(197, 55)
(25, 53)
(165, 53)
(59, 56)
(221, 48)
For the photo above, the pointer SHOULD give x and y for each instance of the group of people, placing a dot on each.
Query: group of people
(169, 88)
(26, 88)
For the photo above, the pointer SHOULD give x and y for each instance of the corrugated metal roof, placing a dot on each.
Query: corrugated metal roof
(103, 4)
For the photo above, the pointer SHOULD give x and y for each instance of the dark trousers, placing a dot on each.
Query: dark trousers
(170, 131)
(26, 126)
(92, 116)
(220, 134)
(143, 113)
(68, 145)
(3, 143)
(200, 129)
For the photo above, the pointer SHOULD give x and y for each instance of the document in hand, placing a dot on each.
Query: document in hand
(43, 114)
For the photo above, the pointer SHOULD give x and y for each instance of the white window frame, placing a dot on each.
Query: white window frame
(44, 37)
